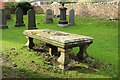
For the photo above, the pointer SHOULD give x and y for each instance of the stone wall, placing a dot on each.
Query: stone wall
(102, 10)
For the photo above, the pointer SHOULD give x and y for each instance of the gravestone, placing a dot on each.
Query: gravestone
(12, 10)
(49, 16)
(71, 17)
(19, 18)
(31, 19)
(8, 14)
(63, 22)
(55, 8)
(3, 23)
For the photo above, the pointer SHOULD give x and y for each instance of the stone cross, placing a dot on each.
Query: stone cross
(49, 16)
(31, 19)
(3, 23)
(71, 17)
(19, 17)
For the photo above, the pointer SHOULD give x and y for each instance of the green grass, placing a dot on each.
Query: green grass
(104, 49)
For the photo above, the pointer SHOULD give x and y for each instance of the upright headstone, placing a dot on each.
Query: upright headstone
(3, 23)
(31, 19)
(71, 17)
(19, 18)
(49, 16)
(8, 14)
(55, 8)
(63, 22)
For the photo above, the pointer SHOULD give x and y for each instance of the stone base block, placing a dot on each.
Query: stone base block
(63, 22)
(63, 25)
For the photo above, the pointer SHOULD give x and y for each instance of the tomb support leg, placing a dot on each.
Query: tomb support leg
(27, 43)
(64, 58)
(82, 54)
(53, 50)
(31, 44)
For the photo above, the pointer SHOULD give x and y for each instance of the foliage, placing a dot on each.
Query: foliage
(10, 5)
(25, 6)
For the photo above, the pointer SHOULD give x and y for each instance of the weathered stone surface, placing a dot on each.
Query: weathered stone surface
(49, 16)
(63, 59)
(71, 17)
(19, 18)
(31, 19)
(3, 23)
(55, 8)
(58, 38)
(60, 42)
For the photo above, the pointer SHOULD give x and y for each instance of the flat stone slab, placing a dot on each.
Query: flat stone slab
(58, 38)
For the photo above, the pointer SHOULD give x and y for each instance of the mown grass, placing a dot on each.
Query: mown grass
(32, 65)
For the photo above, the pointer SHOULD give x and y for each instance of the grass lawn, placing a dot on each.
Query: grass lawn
(21, 62)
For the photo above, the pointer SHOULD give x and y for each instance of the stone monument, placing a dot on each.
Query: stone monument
(63, 22)
(71, 17)
(55, 8)
(60, 45)
(19, 18)
(49, 16)
(31, 19)
(3, 23)
(8, 14)
(31, 25)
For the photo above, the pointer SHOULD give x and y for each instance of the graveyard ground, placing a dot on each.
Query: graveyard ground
(18, 61)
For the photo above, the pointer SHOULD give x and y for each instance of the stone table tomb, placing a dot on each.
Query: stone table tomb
(60, 42)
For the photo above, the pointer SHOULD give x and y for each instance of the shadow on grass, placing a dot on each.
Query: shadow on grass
(11, 73)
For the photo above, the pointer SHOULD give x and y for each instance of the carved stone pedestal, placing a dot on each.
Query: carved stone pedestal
(53, 50)
(64, 58)
(82, 54)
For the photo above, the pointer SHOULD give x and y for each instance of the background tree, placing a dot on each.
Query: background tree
(25, 6)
